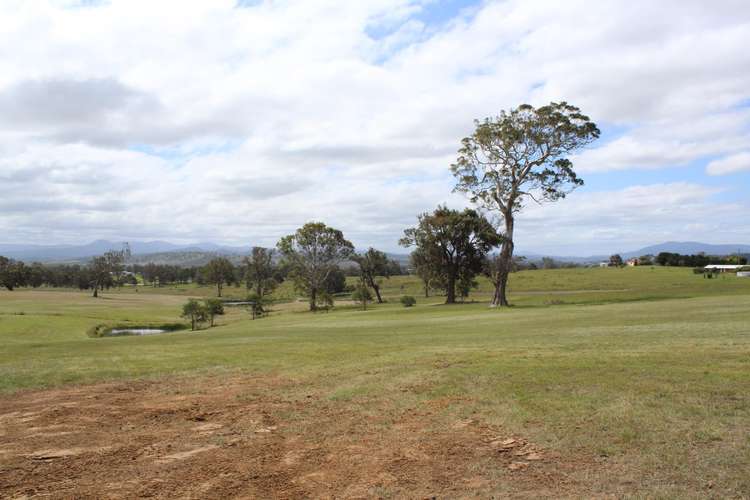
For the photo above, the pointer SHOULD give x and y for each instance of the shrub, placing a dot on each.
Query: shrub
(362, 295)
(96, 331)
(195, 312)
(408, 301)
(213, 308)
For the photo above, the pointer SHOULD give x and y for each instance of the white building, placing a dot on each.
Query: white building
(723, 268)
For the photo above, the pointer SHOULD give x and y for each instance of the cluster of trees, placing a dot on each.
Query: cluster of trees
(700, 260)
(519, 155)
(15, 274)
(102, 272)
(450, 250)
(201, 312)
(12, 273)
(550, 263)
(312, 259)
(165, 274)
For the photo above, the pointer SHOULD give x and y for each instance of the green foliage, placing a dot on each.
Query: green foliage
(106, 270)
(424, 268)
(451, 246)
(700, 260)
(374, 264)
(311, 254)
(361, 294)
(323, 301)
(408, 301)
(218, 271)
(12, 273)
(335, 281)
(195, 312)
(615, 260)
(213, 308)
(519, 154)
(258, 305)
(646, 260)
(261, 275)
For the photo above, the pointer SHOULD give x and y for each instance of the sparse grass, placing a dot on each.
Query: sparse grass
(646, 371)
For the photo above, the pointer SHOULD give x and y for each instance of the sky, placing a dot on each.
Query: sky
(238, 121)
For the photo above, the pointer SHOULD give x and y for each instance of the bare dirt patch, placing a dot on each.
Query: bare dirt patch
(245, 437)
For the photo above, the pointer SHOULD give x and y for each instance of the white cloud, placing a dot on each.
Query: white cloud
(739, 162)
(626, 219)
(266, 116)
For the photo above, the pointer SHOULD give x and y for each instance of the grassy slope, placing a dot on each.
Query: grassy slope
(660, 387)
(542, 287)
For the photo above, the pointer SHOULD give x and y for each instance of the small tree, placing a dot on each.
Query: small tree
(615, 260)
(195, 311)
(106, 269)
(261, 275)
(213, 308)
(361, 294)
(257, 305)
(311, 254)
(372, 265)
(218, 271)
(425, 270)
(522, 153)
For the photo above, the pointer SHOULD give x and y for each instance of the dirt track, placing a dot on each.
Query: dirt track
(239, 437)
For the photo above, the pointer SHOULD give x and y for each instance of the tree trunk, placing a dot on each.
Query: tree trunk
(96, 290)
(192, 322)
(377, 292)
(218, 289)
(451, 289)
(426, 289)
(496, 297)
(313, 297)
(506, 256)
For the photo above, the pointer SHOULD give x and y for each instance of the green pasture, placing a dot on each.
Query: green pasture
(646, 370)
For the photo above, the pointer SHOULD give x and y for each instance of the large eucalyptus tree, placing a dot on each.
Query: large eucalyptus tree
(519, 154)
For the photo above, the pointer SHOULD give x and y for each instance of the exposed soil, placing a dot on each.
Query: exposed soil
(245, 437)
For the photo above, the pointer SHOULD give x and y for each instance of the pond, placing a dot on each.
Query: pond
(116, 332)
(109, 330)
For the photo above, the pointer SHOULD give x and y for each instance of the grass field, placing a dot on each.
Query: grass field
(633, 382)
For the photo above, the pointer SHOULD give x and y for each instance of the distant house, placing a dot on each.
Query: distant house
(604, 264)
(632, 262)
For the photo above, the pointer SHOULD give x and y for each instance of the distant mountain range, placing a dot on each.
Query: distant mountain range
(163, 252)
(681, 247)
(77, 253)
(689, 248)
